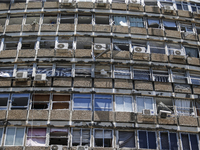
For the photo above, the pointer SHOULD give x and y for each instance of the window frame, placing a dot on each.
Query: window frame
(117, 138)
(182, 5)
(90, 108)
(181, 143)
(5, 96)
(44, 102)
(28, 101)
(153, 104)
(123, 96)
(137, 22)
(68, 136)
(147, 138)
(69, 102)
(107, 109)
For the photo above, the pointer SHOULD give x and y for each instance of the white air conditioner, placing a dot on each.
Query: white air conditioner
(40, 77)
(65, 2)
(21, 75)
(139, 49)
(82, 147)
(170, 8)
(56, 147)
(178, 52)
(103, 72)
(147, 112)
(62, 46)
(134, 2)
(99, 47)
(164, 113)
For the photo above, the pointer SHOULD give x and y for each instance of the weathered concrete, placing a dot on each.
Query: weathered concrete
(1, 29)
(8, 54)
(125, 117)
(141, 56)
(103, 83)
(105, 6)
(66, 27)
(102, 28)
(123, 84)
(45, 53)
(159, 57)
(34, 5)
(167, 121)
(85, 4)
(4, 6)
(119, 6)
(13, 148)
(188, 121)
(5, 82)
(162, 86)
(177, 59)
(103, 116)
(17, 114)
(143, 85)
(152, 9)
(13, 28)
(120, 29)
(44, 84)
(36, 148)
(146, 119)
(51, 5)
(64, 53)
(167, 12)
(82, 82)
(187, 36)
(121, 54)
(193, 61)
(137, 30)
(18, 6)
(22, 83)
(132, 7)
(182, 88)
(31, 28)
(38, 115)
(84, 27)
(49, 27)
(184, 13)
(155, 32)
(27, 53)
(3, 114)
(62, 82)
(104, 56)
(82, 115)
(173, 33)
(196, 89)
(83, 53)
(60, 114)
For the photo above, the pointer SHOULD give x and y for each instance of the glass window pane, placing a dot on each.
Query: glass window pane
(142, 139)
(128, 104)
(148, 103)
(10, 136)
(140, 104)
(19, 136)
(119, 103)
(194, 142)
(126, 139)
(173, 141)
(185, 142)
(152, 140)
(1, 133)
(164, 140)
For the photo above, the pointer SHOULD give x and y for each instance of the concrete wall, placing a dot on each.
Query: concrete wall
(18, 6)
(18, 83)
(30, 53)
(103, 116)
(5, 82)
(141, 56)
(167, 121)
(162, 86)
(64, 53)
(120, 29)
(188, 121)
(45, 53)
(125, 117)
(38, 115)
(58, 114)
(8, 54)
(173, 33)
(49, 27)
(34, 5)
(13, 28)
(102, 28)
(152, 9)
(4, 6)
(82, 82)
(155, 32)
(136, 30)
(85, 5)
(103, 83)
(146, 119)
(177, 59)
(143, 85)
(123, 84)
(51, 5)
(182, 88)
(31, 28)
(66, 27)
(17, 114)
(83, 53)
(84, 27)
(121, 54)
(159, 57)
(82, 115)
(119, 6)
(62, 82)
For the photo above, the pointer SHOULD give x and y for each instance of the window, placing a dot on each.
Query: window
(67, 40)
(186, 28)
(102, 71)
(161, 75)
(27, 69)
(170, 25)
(198, 107)
(166, 3)
(47, 42)
(20, 101)
(192, 52)
(168, 141)
(102, 138)
(14, 136)
(36, 137)
(145, 103)
(82, 102)
(6, 72)
(81, 137)
(120, 20)
(165, 104)
(126, 139)
(33, 19)
(182, 5)
(183, 107)
(179, 76)
(67, 19)
(124, 103)
(63, 71)
(84, 71)
(195, 78)
(1, 135)
(15, 19)
(154, 23)
(61, 102)
(189, 141)
(4, 102)
(40, 101)
(195, 7)
(84, 43)
(120, 45)
(136, 22)
(150, 3)
(103, 102)
(147, 139)
(50, 18)
(157, 47)
(122, 72)
(118, 1)
(141, 74)
(141, 44)
(58, 136)
(84, 19)
(44, 70)
(172, 48)
(101, 19)
(10, 43)
(28, 43)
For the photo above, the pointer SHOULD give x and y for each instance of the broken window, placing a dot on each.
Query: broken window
(120, 20)
(82, 102)
(84, 71)
(20, 101)
(141, 73)
(3, 20)
(192, 52)
(102, 71)
(195, 77)
(10, 43)
(126, 139)
(145, 103)
(179, 76)
(58, 136)
(124, 103)
(47, 42)
(170, 25)
(103, 102)
(40, 101)
(160, 75)
(154, 23)
(33, 19)
(81, 137)
(164, 104)
(15, 19)
(6, 72)
(63, 71)
(103, 138)
(122, 72)
(189, 141)
(68, 41)
(168, 141)
(186, 28)
(174, 48)
(157, 47)
(120, 45)
(83, 19)
(36, 137)
(84, 43)
(184, 107)
(136, 22)
(14, 136)
(101, 19)
(61, 102)
(44, 70)
(28, 43)
(67, 19)
(50, 18)
(147, 139)
(182, 5)
(27, 69)
(195, 7)
(198, 107)
(3, 102)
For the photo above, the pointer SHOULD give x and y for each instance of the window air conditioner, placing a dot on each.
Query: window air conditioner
(134, 2)
(101, 2)
(65, 1)
(99, 47)
(169, 9)
(82, 147)
(62, 46)
(179, 52)
(40, 77)
(147, 112)
(164, 113)
(21, 75)
(103, 72)
(139, 49)
(56, 147)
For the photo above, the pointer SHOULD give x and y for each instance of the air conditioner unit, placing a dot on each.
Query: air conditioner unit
(164, 113)
(101, 2)
(103, 72)
(62, 46)
(82, 147)
(139, 49)
(99, 47)
(134, 2)
(147, 112)
(170, 8)
(178, 52)
(21, 75)
(40, 77)
(65, 2)
(56, 147)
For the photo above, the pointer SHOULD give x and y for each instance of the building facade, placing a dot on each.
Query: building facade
(99, 74)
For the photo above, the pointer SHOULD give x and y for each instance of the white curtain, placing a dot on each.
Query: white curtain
(120, 20)
(76, 136)
(183, 106)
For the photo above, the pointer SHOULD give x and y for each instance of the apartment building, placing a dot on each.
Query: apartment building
(99, 74)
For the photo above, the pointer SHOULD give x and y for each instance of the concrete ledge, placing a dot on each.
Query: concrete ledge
(34, 5)
(18, 6)
(187, 36)
(1, 29)
(121, 54)
(4, 6)
(103, 83)
(123, 84)
(152, 9)
(51, 5)
(45, 84)
(119, 6)
(13, 148)
(57, 114)
(182, 88)
(3, 114)
(196, 89)
(132, 7)
(62, 82)
(38, 115)
(166, 12)
(163, 86)
(173, 33)
(146, 119)
(188, 121)
(13, 28)
(84, 27)
(64, 53)
(155, 32)
(177, 59)
(184, 13)
(82, 115)
(82, 82)
(125, 116)
(106, 6)
(21, 83)
(66, 27)
(83, 53)
(159, 57)
(137, 30)
(17, 114)
(37, 148)
(49, 27)
(5, 82)
(103, 116)
(120, 29)
(141, 56)
(45, 53)
(85, 4)
(143, 85)
(104, 56)
(31, 28)
(196, 15)
(193, 61)
(27, 53)
(168, 120)
(8, 54)
(102, 28)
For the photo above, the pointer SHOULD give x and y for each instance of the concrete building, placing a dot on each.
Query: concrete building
(99, 74)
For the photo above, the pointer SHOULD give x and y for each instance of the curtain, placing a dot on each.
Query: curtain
(37, 132)
(191, 52)
(126, 139)
(35, 141)
(136, 22)
(76, 136)
(120, 20)
(85, 136)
